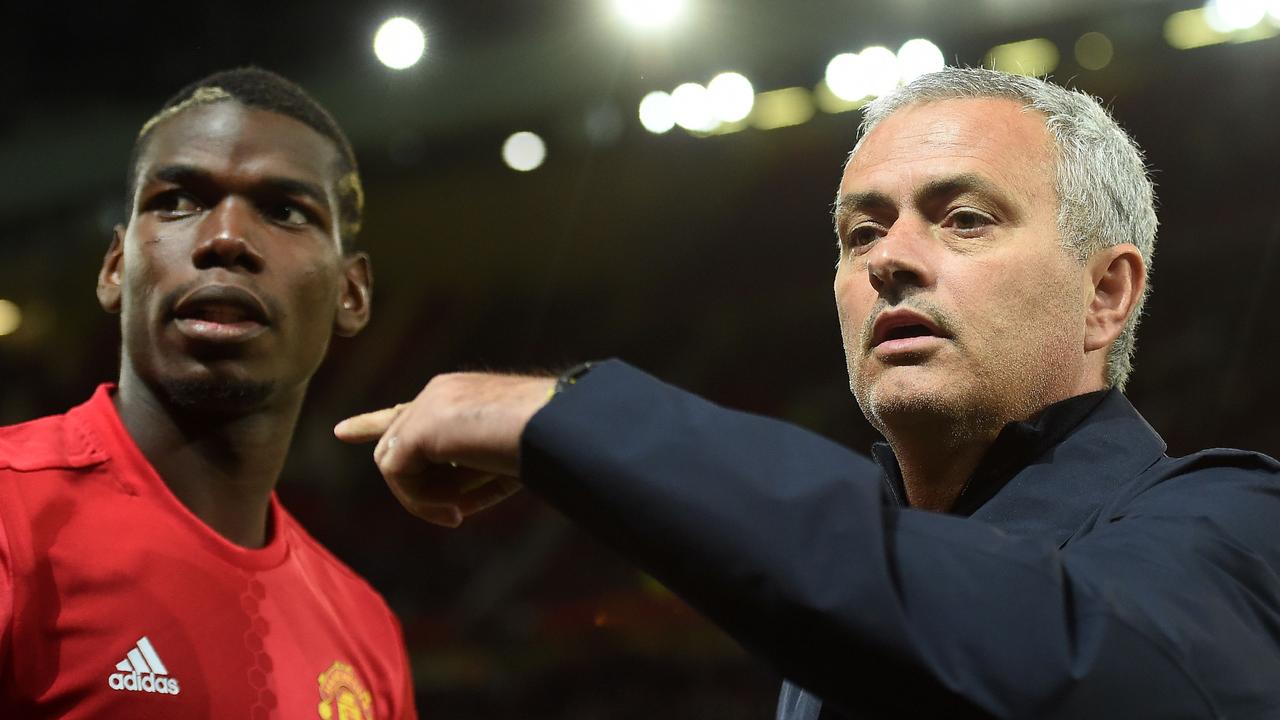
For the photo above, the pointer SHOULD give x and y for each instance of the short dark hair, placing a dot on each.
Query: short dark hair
(262, 89)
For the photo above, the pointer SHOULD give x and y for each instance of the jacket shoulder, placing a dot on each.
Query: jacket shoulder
(1225, 461)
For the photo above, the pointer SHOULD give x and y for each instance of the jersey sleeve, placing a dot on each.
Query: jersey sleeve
(790, 543)
(405, 697)
(6, 596)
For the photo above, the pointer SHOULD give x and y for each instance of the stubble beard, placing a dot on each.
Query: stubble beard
(217, 396)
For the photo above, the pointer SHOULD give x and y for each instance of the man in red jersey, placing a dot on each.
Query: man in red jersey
(147, 569)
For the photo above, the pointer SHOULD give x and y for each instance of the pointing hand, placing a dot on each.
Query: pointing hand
(455, 449)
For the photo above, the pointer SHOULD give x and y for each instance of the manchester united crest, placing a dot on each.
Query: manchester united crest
(342, 695)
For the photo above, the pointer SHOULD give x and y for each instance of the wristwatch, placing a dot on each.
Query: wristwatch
(571, 377)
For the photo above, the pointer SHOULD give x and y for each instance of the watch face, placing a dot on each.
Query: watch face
(572, 375)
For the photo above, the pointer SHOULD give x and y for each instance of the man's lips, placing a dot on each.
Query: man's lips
(892, 326)
(221, 313)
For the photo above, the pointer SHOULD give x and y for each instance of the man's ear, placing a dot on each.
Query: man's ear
(1119, 277)
(109, 275)
(354, 302)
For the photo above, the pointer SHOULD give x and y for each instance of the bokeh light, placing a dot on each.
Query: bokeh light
(846, 77)
(692, 106)
(881, 67)
(10, 317)
(1231, 15)
(399, 43)
(524, 151)
(657, 112)
(731, 97)
(649, 14)
(1093, 51)
(918, 57)
(1037, 56)
(782, 108)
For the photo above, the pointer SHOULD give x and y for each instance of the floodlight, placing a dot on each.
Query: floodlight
(847, 77)
(649, 14)
(399, 43)
(657, 112)
(881, 67)
(731, 96)
(10, 317)
(1093, 51)
(692, 107)
(1230, 15)
(524, 151)
(919, 57)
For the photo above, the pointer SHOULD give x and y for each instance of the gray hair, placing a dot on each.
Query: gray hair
(1105, 196)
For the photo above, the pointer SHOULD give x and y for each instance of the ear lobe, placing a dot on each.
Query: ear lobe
(355, 300)
(1119, 277)
(109, 275)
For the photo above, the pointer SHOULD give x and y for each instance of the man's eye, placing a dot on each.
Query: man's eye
(968, 220)
(288, 214)
(861, 236)
(176, 204)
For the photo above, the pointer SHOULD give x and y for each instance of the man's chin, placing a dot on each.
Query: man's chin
(220, 396)
(905, 397)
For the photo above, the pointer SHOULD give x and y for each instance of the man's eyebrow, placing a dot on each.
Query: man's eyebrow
(931, 191)
(953, 185)
(958, 185)
(180, 175)
(848, 203)
(190, 175)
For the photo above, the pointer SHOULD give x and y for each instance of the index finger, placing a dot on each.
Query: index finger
(367, 426)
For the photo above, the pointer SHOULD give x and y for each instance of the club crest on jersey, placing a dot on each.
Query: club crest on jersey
(342, 695)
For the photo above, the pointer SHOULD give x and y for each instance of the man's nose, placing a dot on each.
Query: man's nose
(227, 237)
(902, 257)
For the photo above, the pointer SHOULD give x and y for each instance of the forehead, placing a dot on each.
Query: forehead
(226, 137)
(991, 137)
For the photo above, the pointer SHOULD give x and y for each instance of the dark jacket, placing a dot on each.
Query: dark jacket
(1097, 578)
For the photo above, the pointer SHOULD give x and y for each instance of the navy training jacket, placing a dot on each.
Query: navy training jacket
(1103, 580)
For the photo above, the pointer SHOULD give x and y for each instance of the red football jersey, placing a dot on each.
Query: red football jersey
(116, 601)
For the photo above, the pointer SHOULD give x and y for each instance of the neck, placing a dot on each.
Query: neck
(934, 472)
(222, 467)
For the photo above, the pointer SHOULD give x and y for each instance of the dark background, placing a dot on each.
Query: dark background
(707, 261)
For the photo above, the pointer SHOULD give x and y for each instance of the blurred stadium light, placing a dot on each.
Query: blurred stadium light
(1037, 56)
(524, 151)
(1189, 29)
(657, 112)
(846, 77)
(692, 106)
(782, 108)
(1229, 15)
(399, 43)
(10, 317)
(731, 97)
(649, 14)
(918, 57)
(881, 67)
(1093, 51)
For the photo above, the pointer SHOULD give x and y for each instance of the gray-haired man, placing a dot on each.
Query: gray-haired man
(995, 234)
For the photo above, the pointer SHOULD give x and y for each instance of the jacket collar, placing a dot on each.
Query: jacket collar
(1044, 477)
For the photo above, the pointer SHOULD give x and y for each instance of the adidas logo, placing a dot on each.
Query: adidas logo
(143, 671)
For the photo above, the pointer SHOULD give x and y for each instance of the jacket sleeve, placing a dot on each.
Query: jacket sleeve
(788, 542)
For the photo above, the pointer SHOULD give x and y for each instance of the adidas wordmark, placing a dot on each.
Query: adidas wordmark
(143, 671)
